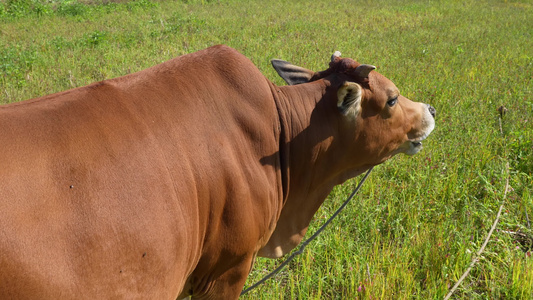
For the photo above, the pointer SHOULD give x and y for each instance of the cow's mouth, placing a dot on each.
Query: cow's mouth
(411, 147)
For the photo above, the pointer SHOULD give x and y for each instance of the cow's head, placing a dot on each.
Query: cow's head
(360, 121)
(384, 122)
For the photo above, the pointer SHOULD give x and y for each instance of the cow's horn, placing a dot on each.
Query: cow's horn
(337, 54)
(363, 70)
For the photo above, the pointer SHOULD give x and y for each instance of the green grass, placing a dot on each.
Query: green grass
(416, 224)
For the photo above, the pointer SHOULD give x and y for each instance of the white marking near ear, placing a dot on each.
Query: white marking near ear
(349, 98)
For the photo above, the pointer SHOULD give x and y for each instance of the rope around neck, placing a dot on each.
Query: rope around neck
(309, 240)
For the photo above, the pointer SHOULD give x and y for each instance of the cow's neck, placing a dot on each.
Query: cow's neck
(310, 160)
(306, 125)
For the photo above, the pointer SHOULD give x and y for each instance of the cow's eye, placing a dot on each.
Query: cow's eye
(392, 101)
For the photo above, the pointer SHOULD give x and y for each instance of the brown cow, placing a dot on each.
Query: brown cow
(167, 182)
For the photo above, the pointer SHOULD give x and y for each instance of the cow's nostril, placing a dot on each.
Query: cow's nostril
(432, 110)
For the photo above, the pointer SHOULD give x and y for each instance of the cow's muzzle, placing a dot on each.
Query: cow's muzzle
(432, 111)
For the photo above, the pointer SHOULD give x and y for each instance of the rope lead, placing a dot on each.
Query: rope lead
(309, 240)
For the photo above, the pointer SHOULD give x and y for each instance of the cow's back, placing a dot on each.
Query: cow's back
(127, 186)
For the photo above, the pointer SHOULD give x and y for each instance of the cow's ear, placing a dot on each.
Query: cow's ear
(290, 73)
(349, 98)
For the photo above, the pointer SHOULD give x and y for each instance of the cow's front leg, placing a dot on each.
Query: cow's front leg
(228, 285)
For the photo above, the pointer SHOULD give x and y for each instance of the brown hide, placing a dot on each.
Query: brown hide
(168, 182)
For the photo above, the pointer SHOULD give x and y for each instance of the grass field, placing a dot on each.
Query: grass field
(418, 222)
